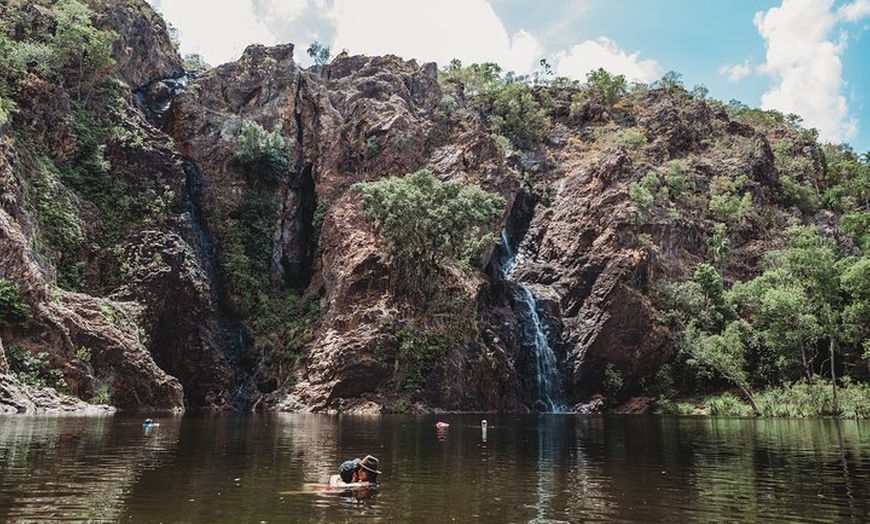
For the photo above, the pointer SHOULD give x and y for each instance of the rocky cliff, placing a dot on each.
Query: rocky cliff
(199, 287)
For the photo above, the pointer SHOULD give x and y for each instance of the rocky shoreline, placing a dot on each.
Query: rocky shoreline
(20, 399)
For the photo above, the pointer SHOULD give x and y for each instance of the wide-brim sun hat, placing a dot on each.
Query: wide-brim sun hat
(370, 463)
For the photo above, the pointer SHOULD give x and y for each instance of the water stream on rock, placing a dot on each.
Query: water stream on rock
(234, 337)
(548, 392)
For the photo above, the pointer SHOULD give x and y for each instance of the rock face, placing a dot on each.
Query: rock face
(143, 52)
(16, 399)
(165, 330)
(64, 322)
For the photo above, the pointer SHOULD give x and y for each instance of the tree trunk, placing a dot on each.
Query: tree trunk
(833, 347)
(808, 373)
(751, 400)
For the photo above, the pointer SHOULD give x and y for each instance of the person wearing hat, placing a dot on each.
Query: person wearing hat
(356, 472)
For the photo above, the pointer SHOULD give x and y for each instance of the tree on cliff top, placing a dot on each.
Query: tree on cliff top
(429, 225)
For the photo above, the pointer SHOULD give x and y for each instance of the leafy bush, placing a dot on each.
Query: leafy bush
(428, 224)
(319, 53)
(262, 155)
(728, 405)
(604, 87)
(727, 204)
(33, 369)
(61, 231)
(506, 101)
(12, 308)
(419, 351)
(641, 195)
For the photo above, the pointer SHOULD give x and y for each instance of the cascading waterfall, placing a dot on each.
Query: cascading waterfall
(548, 392)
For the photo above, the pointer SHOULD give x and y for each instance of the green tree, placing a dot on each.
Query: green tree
(804, 275)
(604, 87)
(507, 102)
(727, 204)
(319, 53)
(82, 53)
(428, 225)
(723, 354)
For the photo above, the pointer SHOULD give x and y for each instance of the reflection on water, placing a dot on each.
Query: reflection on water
(74, 469)
(547, 468)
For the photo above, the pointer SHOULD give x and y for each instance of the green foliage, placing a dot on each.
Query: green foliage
(195, 62)
(800, 399)
(248, 243)
(33, 369)
(262, 155)
(101, 396)
(647, 191)
(604, 87)
(419, 352)
(671, 80)
(84, 354)
(846, 185)
(78, 44)
(677, 180)
(612, 383)
(319, 215)
(802, 196)
(641, 195)
(248, 249)
(428, 225)
(60, 229)
(13, 309)
(727, 204)
(857, 226)
(719, 244)
(319, 53)
(727, 405)
(508, 102)
(282, 327)
(720, 354)
(373, 147)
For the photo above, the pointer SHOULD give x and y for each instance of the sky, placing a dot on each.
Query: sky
(807, 57)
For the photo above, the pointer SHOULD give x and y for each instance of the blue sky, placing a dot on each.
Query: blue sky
(808, 57)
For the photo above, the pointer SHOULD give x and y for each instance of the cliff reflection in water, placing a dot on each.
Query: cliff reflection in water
(529, 468)
(76, 469)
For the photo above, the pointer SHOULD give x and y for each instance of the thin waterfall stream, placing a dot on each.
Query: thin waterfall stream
(548, 391)
(234, 340)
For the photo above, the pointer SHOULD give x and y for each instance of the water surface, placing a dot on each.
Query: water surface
(523, 469)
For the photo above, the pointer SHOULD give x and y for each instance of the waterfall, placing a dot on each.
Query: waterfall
(548, 391)
(234, 340)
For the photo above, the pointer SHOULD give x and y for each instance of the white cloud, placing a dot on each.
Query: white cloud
(219, 30)
(855, 11)
(440, 31)
(603, 52)
(806, 66)
(736, 72)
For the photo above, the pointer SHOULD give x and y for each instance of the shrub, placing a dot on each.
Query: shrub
(12, 308)
(419, 351)
(262, 155)
(604, 87)
(33, 369)
(727, 204)
(428, 224)
(506, 101)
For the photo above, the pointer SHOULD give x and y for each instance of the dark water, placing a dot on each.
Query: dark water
(531, 469)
